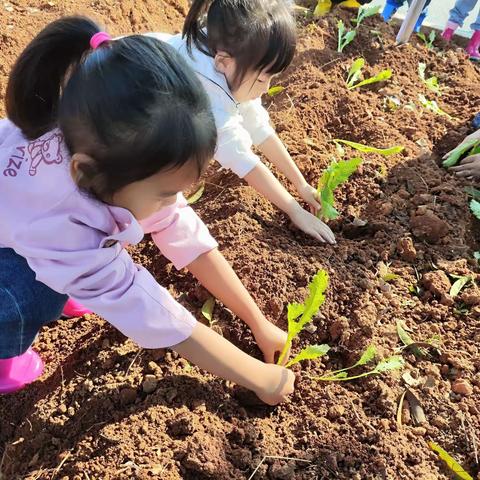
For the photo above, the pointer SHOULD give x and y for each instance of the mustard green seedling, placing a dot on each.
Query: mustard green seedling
(364, 12)
(394, 362)
(344, 36)
(428, 40)
(431, 82)
(355, 71)
(381, 77)
(367, 149)
(336, 174)
(432, 105)
(300, 314)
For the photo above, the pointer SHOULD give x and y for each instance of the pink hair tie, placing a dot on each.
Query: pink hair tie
(99, 38)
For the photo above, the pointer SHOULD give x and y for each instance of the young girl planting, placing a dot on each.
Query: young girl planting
(102, 136)
(236, 51)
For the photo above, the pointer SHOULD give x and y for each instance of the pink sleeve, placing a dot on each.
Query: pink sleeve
(105, 280)
(179, 233)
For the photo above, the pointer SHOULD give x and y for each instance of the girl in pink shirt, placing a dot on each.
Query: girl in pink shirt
(101, 138)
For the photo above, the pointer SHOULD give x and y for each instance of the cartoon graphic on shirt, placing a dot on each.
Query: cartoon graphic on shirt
(45, 150)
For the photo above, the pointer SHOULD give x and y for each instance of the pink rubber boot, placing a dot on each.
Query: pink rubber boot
(450, 28)
(472, 47)
(16, 372)
(74, 309)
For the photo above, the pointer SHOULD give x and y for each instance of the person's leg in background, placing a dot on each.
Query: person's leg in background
(457, 16)
(25, 306)
(392, 6)
(474, 44)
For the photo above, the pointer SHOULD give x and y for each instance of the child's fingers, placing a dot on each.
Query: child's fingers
(464, 173)
(458, 168)
(326, 234)
(468, 160)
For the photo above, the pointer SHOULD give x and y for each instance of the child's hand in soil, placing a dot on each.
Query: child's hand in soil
(472, 136)
(271, 340)
(277, 383)
(312, 225)
(469, 167)
(310, 195)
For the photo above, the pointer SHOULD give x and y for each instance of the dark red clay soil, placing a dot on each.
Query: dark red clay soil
(105, 410)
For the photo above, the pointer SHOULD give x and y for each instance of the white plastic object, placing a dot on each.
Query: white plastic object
(410, 21)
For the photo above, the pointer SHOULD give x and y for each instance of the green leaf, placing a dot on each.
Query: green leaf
(392, 363)
(305, 311)
(432, 82)
(451, 463)
(207, 309)
(364, 12)
(475, 208)
(458, 152)
(460, 283)
(432, 105)
(355, 71)
(421, 70)
(272, 91)
(403, 335)
(197, 195)
(472, 192)
(381, 77)
(431, 38)
(309, 353)
(476, 256)
(366, 149)
(344, 36)
(315, 299)
(336, 174)
(367, 356)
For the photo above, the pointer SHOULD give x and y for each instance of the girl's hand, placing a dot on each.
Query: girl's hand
(310, 195)
(472, 136)
(277, 383)
(270, 340)
(469, 167)
(312, 225)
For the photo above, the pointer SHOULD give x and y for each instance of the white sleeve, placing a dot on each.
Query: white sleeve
(256, 121)
(234, 150)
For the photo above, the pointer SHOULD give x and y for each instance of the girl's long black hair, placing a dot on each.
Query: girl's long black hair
(132, 104)
(259, 34)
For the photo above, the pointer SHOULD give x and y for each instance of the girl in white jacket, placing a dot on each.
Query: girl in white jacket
(248, 42)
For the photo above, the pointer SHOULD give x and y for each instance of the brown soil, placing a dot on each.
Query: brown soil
(89, 417)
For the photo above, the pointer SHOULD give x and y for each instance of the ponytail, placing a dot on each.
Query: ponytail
(193, 26)
(38, 76)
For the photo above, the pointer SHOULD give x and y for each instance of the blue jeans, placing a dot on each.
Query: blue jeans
(460, 12)
(399, 3)
(25, 304)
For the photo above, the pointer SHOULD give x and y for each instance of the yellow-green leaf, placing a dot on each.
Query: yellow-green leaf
(392, 363)
(381, 77)
(272, 91)
(207, 308)
(451, 463)
(309, 353)
(367, 149)
(459, 284)
(355, 71)
(367, 356)
(403, 335)
(197, 195)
